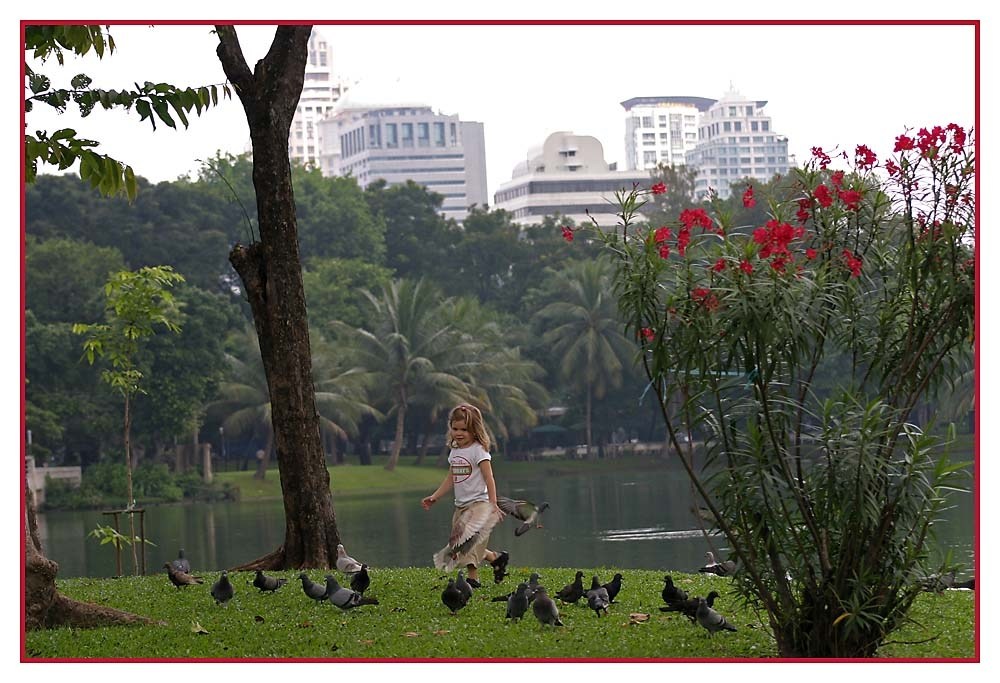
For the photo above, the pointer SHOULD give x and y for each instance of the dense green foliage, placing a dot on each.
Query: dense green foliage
(411, 621)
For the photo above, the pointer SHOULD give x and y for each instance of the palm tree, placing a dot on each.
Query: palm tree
(410, 353)
(582, 328)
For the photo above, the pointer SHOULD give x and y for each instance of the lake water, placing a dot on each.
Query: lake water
(637, 520)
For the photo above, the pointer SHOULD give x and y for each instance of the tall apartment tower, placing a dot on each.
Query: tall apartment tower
(736, 141)
(408, 141)
(320, 91)
(661, 130)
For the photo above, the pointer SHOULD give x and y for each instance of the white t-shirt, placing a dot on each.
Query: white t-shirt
(466, 475)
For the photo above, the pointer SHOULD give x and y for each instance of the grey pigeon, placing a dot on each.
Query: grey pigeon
(345, 562)
(523, 510)
(727, 568)
(361, 580)
(179, 578)
(463, 585)
(671, 593)
(453, 598)
(517, 603)
(614, 587)
(181, 564)
(316, 591)
(711, 620)
(267, 583)
(545, 608)
(689, 606)
(572, 592)
(345, 598)
(222, 590)
(533, 586)
(597, 597)
(936, 583)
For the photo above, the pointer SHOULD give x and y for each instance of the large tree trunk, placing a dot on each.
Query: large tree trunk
(397, 443)
(272, 276)
(44, 606)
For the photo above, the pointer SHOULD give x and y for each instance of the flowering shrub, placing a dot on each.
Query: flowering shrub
(826, 501)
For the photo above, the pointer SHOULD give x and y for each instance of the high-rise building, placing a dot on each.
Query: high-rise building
(661, 130)
(408, 141)
(736, 141)
(320, 92)
(566, 175)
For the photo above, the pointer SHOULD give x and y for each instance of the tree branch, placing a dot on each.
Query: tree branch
(234, 64)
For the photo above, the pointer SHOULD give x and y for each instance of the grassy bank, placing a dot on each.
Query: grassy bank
(353, 478)
(411, 621)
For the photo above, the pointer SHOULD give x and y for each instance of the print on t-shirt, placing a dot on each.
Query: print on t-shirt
(461, 470)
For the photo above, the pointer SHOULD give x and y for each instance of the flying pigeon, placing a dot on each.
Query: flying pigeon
(523, 510)
(314, 590)
(689, 606)
(597, 597)
(469, 529)
(181, 564)
(222, 590)
(572, 592)
(613, 587)
(517, 603)
(361, 580)
(671, 593)
(345, 598)
(711, 620)
(545, 608)
(463, 585)
(727, 568)
(179, 578)
(345, 562)
(267, 583)
(453, 598)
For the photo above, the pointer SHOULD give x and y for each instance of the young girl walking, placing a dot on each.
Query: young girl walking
(476, 512)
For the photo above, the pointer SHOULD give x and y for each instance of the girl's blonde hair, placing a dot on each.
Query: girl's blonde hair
(473, 419)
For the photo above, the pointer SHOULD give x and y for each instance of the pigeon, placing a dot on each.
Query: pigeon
(499, 564)
(572, 592)
(613, 587)
(533, 586)
(689, 606)
(181, 564)
(968, 584)
(267, 583)
(545, 608)
(345, 562)
(361, 580)
(179, 578)
(222, 590)
(597, 597)
(517, 603)
(453, 598)
(523, 510)
(345, 598)
(711, 620)
(463, 585)
(936, 583)
(670, 593)
(316, 591)
(469, 529)
(727, 568)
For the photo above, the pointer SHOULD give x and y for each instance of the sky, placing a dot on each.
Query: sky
(862, 85)
(825, 86)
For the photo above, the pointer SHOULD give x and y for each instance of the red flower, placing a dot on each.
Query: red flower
(824, 158)
(683, 239)
(803, 213)
(748, 201)
(891, 168)
(958, 136)
(903, 143)
(705, 298)
(664, 251)
(851, 199)
(647, 333)
(837, 178)
(761, 236)
(658, 188)
(864, 156)
(662, 234)
(810, 253)
(852, 262)
(693, 217)
(746, 267)
(823, 196)
(567, 233)
(719, 266)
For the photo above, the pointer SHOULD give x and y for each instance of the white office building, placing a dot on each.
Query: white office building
(408, 141)
(736, 141)
(661, 130)
(320, 92)
(566, 175)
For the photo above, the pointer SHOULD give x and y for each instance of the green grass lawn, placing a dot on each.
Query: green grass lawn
(411, 622)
